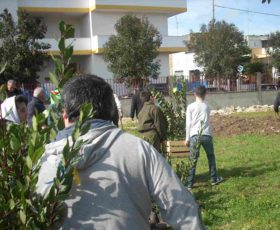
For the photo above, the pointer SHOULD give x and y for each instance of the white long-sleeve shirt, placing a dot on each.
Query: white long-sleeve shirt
(197, 117)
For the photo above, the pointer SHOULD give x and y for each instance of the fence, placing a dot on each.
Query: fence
(161, 84)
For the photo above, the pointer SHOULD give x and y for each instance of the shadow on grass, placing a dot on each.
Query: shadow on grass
(242, 171)
(210, 198)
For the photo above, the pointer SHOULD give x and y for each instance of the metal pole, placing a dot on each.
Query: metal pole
(213, 11)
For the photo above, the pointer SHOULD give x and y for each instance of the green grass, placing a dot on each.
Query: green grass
(249, 198)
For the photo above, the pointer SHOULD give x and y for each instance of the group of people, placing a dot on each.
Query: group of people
(121, 174)
(16, 108)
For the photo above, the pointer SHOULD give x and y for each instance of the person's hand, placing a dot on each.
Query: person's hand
(187, 143)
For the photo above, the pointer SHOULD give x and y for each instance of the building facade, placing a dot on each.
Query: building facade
(183, 63)
(94, 22)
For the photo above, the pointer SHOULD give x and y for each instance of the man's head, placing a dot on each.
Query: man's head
(21, 106)
(89, 89)
(200, 92)
(145, 96)
(39, 93)
(11, 85)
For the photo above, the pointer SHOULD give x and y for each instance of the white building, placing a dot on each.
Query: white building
(94, 22)
(183, 63)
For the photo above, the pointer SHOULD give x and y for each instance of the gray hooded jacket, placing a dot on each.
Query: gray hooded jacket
(120, 175)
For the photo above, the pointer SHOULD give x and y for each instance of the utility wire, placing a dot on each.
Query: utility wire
(248, 11)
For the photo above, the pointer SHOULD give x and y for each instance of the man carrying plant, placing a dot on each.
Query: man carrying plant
(151, 121)
(119, 173)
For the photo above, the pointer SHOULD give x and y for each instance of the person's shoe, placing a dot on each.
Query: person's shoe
(189, 187)
(218, 180)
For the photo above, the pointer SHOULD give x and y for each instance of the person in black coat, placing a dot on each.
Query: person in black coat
(277, 103)
(36, 104)
(12, 89)
(136, 104)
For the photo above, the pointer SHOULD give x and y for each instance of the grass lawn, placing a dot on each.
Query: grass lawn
(249, 198)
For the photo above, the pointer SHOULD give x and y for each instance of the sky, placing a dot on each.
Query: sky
(200, 12)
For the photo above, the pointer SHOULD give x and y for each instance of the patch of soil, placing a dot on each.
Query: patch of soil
(230, 125)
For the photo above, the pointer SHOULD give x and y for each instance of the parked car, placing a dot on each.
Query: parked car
(265, 87)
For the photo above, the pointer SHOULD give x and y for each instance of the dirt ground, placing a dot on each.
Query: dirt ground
(229, 125)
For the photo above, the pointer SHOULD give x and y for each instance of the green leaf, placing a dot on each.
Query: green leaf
(53, 79)
(12, 204)
(15, 143)
(61, 44)
(62, 27)
(37, 154)
(28, 162)
(68, 52)
(22, 216)
(34, 123)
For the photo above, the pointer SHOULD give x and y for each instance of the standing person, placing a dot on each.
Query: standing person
(14, 109)
(136, 104)
(151, 121)
(277, 103)
(119, 106)
(198, 132)
(120, 174)
(12, 89)
(36, 104)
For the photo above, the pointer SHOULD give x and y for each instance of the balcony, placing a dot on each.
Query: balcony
(261, 52)
(171, 7)
(55, 6)
(84, 6)
(170, 44)
(84, 46)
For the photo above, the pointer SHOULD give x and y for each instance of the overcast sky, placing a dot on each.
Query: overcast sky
(200, 12)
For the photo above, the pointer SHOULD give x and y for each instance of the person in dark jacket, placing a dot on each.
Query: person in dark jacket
(277, 103)
(136, 104)
(36, 104)
(12, 89)
(151, 121)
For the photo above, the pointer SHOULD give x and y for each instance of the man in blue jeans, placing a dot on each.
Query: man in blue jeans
(198, 132)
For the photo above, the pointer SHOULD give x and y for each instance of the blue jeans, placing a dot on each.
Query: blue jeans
(207, 144)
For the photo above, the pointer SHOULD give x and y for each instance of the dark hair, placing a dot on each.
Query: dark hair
(200, 91)
(20, 99)
(145, 96)
(277, 103)
(89, 89)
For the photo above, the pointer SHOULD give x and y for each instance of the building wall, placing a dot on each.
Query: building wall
(52, 22)
(183, 63)
(109, 20)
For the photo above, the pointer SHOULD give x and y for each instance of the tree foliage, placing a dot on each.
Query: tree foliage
(264, 1)
(20, 49)
(254, 67)
(219, 48)
(274, 43)
(131, 53)
(174, 109)
(21, 150)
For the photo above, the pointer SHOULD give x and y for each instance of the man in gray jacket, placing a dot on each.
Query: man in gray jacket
(120, 174)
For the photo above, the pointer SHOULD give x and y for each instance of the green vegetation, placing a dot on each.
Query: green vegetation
(132, 52)
(249, 197)
(274, 42)
(22, 52)
(21, 150)
(219, 47)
